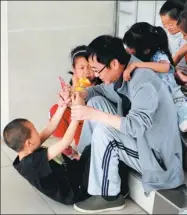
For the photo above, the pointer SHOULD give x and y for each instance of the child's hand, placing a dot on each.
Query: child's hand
(77, 99)
(64, 98)
(65, 95)
(66, 92)
(62, 102)
(127, 73)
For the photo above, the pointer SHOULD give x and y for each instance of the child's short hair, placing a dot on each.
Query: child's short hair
(16, 133)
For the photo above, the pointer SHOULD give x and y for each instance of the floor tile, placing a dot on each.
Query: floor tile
(5, 160)
(142, 212)
(9, 152)
(57, 207)
(18, 197)
(131, 207)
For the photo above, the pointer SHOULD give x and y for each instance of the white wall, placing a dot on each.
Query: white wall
(4, 66)
(130, 12)
(40, 37)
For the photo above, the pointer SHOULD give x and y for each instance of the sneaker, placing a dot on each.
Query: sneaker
(97, 204)
(183, 126)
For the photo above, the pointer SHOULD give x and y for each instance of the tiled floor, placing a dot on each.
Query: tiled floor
(19, 197)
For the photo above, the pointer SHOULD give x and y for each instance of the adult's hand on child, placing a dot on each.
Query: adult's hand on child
(80, 112)
(127, 73)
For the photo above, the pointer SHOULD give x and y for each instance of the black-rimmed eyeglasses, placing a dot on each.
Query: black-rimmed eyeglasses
(98, 72)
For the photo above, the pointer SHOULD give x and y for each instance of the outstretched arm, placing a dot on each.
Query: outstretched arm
(53, 123)
(139, 119)
(67, 139)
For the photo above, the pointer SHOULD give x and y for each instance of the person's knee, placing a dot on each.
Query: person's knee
(103, 132)
(103, 104)
(101, 128)
(95, 101)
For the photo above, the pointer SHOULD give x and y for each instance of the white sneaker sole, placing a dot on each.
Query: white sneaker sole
(99, 211)
(183, 126)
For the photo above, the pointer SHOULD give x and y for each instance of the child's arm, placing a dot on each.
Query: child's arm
(62, 144)
(53, 123)
(180, 54)
(162, 66)
(67, 139)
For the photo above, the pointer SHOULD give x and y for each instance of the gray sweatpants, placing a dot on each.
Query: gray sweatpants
(108, 146)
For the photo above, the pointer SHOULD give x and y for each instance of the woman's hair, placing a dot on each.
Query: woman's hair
(79, 51)
(182, 21)
(172, 8)
(147, 40)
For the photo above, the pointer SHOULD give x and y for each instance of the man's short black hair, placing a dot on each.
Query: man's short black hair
(107, 48)
(16, 133)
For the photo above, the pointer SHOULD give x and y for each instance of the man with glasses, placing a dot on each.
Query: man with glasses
(134, 122)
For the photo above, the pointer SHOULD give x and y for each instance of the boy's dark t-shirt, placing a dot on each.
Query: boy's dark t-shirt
(59, 182)
(66, 183)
